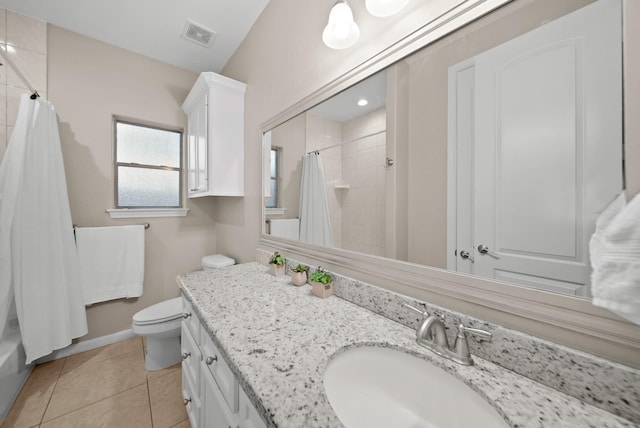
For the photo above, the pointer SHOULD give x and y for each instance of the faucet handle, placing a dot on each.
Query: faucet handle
(475, 331)
(418, 310)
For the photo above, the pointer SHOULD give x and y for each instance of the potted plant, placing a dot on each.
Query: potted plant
(321, 283)
(277, 264)
(299, 275)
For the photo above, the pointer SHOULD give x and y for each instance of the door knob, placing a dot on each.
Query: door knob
(483, 249)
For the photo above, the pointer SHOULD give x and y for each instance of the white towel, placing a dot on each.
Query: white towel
(111, 262)
(288, 228)
(615, 258)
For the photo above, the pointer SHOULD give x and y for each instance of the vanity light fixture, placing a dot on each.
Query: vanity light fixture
(382, 8)
(342, 31)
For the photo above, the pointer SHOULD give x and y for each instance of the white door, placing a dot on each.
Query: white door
(547, 155)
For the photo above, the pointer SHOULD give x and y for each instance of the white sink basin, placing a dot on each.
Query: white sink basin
(381, 387)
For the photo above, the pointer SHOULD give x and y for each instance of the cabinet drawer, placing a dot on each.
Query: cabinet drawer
(191, 396)
(191, 356)
(213, 363)
(190, 319)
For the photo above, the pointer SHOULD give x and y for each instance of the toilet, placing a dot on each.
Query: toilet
(161, 323)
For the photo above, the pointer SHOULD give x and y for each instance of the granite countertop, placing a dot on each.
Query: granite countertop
(277, 338)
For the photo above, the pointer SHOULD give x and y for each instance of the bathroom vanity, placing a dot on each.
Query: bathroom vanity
(252, 339)
(209, 387)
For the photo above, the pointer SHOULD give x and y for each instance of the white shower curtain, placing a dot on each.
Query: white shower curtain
(315, 226)
(38, 259)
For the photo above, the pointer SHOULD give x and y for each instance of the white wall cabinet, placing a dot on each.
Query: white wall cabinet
(215, 136)
(211, 393)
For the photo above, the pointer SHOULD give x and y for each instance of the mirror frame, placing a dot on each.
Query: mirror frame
(573, 314)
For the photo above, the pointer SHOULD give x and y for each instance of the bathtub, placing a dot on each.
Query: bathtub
(13, 371)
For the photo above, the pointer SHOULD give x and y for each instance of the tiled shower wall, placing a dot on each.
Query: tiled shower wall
(25, 40)
(363, 169)
(356, 159)
(322, 133)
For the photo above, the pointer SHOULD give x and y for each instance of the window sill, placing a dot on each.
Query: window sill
(147, 212)
(275, 211)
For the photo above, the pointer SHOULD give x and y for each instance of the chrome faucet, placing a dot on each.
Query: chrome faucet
(431, 334)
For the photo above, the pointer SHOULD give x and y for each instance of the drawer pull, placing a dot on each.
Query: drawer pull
(186, 355)
(186, 401)
(186, 315)
(210, 360)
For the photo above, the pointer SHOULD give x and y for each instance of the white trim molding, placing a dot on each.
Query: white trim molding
(147, 212)
(87, 345)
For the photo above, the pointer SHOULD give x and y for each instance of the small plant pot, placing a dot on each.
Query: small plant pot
(299, 278)
(276, 270)
(321, 290)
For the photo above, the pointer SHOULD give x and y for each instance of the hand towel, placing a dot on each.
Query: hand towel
(111, 262)
(615, 258)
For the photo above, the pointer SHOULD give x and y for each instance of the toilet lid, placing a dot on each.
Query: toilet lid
(164, 311)
(216, 261)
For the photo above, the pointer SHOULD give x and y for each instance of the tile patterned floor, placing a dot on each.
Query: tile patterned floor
(105, 387)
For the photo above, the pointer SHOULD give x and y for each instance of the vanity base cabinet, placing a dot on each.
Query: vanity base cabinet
(211, 393)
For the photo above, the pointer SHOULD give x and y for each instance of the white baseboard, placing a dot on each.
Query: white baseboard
(86, 345)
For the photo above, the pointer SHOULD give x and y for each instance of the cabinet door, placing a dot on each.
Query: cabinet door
(197, 148)
(247, 413)
(215, 412)
(214, 365)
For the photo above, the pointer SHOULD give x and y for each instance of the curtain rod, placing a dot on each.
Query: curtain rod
(16, 69)
(347, 142)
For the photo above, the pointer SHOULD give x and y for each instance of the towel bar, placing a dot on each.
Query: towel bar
(146, 225)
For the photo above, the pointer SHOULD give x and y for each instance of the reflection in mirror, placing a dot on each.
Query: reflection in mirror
(489, 152)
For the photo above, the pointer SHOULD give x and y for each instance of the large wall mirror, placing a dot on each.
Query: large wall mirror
(488, 152)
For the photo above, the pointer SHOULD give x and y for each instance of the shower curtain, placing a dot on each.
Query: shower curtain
(315, 226)
(38, 259)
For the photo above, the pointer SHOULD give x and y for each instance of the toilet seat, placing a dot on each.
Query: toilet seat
(168, 310)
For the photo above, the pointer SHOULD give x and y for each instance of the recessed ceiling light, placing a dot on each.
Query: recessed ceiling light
(362, 102)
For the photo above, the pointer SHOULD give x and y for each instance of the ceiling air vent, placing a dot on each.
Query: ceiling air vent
(198, 34)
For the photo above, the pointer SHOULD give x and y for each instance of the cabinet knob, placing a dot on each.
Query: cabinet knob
(186, 315)
(186, 401)
(210, 360)
(193, 190)
(186, 355)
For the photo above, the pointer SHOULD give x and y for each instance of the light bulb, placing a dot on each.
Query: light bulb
(341, 31)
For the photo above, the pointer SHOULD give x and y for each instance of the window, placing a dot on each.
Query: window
(272, 201)
(148, 160)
